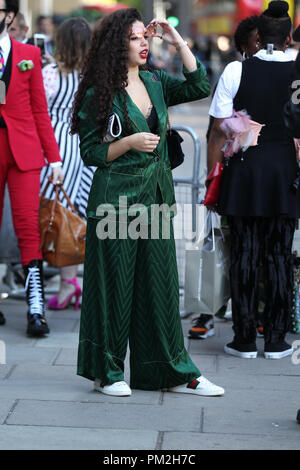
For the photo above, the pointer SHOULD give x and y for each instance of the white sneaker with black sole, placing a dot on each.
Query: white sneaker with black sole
(244, 351)
(117, 389)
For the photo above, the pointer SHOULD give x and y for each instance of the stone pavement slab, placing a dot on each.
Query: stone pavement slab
(67, 314)
(6, 404)
(215, 441)
(273, 420)
(66, 357)
(62, 325)
(30, 355)
(50, 438)
(213, 344)
(244, 412)
(44, 373)
(59, 340)
(15, 320)
(251, 399)
(5, 370)
(78, 390)
(232, 365)
(207, 364)
(256, 383)
(101, 415)
(13, 338)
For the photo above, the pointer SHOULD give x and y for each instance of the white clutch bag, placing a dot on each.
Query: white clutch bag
(114, 129)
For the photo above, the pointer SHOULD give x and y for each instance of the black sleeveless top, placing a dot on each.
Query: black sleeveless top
(152, 120)
(259, 181)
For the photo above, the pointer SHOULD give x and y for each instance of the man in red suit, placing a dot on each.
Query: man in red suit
(26, 140)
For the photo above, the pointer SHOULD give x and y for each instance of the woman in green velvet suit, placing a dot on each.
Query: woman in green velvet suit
(130, 287)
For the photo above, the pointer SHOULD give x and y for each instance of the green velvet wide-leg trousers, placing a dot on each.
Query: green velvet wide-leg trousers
(131, 293)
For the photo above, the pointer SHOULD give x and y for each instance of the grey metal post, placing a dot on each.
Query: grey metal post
(194, 181)
(185, 9)
(148, 10)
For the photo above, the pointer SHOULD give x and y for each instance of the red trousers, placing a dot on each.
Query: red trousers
(24, 190)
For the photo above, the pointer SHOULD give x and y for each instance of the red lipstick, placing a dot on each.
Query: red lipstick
(144, 53)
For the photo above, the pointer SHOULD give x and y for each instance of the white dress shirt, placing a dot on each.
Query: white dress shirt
(229, 83)
(5, 45)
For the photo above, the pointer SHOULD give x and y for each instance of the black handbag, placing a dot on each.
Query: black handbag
(176, 155)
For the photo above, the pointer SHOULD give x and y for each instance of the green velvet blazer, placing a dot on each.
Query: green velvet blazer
(136, 174)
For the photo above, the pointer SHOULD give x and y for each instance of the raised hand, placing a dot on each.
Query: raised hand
(169, 34)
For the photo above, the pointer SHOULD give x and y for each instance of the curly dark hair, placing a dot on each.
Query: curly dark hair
(243, 32)
(106, 67)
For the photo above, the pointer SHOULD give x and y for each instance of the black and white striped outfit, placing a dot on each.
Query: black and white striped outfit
(60, 90)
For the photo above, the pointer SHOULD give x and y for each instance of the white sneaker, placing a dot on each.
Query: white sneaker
(117, 389)
(278, 355)
(200, 386)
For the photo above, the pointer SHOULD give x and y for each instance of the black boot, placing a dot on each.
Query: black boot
(2, 319)
(34, 286)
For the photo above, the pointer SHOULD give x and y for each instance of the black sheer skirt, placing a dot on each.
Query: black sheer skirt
(261, 243)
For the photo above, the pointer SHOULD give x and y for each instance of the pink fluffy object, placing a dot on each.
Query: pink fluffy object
(241, 133)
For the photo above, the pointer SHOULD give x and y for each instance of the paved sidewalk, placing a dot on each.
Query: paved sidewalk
(45, 405)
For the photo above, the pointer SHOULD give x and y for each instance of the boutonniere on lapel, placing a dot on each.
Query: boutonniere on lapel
(25, 65)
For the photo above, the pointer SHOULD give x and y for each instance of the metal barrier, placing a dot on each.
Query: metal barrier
(187, 192)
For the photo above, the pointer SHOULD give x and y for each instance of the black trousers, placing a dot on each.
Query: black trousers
(266, 242)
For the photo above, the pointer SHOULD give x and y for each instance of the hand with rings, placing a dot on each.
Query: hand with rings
(169, 34)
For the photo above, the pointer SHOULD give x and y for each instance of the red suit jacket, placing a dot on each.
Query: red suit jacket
(30, 133)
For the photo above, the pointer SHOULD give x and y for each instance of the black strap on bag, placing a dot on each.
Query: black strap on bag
(174, 140)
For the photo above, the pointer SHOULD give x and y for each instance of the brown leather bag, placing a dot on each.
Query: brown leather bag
(62, 231)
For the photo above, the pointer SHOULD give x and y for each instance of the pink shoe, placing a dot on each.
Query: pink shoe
(53, 302)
